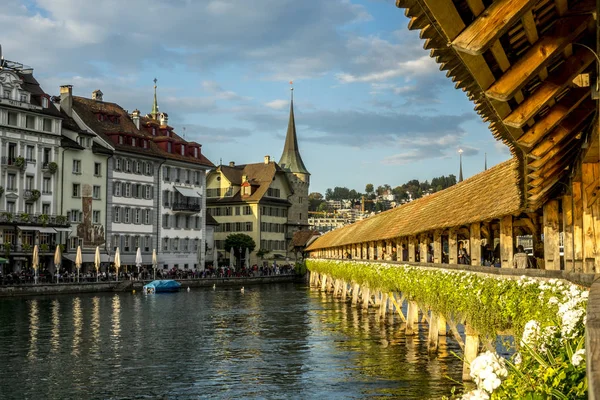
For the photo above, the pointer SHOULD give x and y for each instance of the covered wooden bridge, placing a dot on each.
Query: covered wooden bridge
(530, 67)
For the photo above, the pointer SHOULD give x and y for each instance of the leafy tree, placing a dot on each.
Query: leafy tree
(369, 188)
(239, 241)
(315, 199)
(315, 196)
(323, 207)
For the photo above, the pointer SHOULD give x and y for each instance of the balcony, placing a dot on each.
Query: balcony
(31, 195)
(187, 207)
(33, 219)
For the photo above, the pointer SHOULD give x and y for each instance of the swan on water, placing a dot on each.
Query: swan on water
(242, 289)
(188, 288)
(214, 286)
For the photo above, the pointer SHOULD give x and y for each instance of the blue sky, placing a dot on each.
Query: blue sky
(371, 105)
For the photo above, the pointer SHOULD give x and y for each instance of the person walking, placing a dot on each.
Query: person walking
(520, 260)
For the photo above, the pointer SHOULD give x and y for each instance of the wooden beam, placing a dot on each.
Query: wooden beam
(541, 162)
(591, 219)
(565, 31)
(551, 236)
(506, 241)
(569, 126)
(550, 88)
(554, 116)
(490, 25)
(539, 194)
(549, 168)
(475, 243)
(578, 225)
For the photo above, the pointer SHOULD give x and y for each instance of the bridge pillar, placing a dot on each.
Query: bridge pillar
(323, 282)
(433, 334)
(506, 241)
(475, 243)
(452, 246)
(412, 317)
(471, 350)
(384, 305)
(355, 289)
(412, 244)
(371, 251)
(424, 248)
(366, 297)
(551, 236)
(441, 325)
(344, 290)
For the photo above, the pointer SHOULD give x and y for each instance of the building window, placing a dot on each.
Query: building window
(237, 210)
(74, 216)
(96, 217)
(76, 190)
(29, 182)
(46, 208)
(46, 186)
(166, 244)
(133, 142)
(30, 154)
(46, 156)
(96, 192)
(11, 182)
(29, 208)
(47, 125)
(127, 242)
(10, 206)
(77, 166)
(148, 168)
(117, 214)
(30, 122)
(148, 243)
(127, 215)
(97, 169)
(167, 173)
(120, 139)
(138, 216)
(44, 102)
(248, 226)
(13, 118)
(127, 191)
(117, 188)
(148, 192)
(169, 147)
(147, 217)
(227, 210)
(118, 164)
(127, 166)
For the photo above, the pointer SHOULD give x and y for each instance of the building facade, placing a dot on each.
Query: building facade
(30, 138)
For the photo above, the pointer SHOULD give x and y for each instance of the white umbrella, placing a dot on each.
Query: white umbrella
(231, 258)
(154, 262)
(35, 260)
(247, 261)
(78, 261)
(117, 262)
(97, 262)
(138, 260)
(57, 260)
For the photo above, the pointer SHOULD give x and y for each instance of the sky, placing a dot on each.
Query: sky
(370, 105)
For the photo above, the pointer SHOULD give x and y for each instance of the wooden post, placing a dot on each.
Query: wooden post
(506, 241)
(323, 282)
(437, 246)
(383, 305)
(411, 248)
(371, 251)
(433, 334)
(423, 248)
(568, 232)
(344, 290)
(399, 250)
(412, 317)
(475, 243)
(591, 223)
(471, 349)
(578, 225)
(379, 250)
(355, 289)
(551, 236)
(441, 325)
(452, 246)
(366, 297)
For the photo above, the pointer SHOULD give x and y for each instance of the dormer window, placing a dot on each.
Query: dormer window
(182, 150)
(145, 144)
(100, 117)
(196, 152)
(133, 142)
(23, 98)
(153, 131)
(120, 139)
(247, 190)
(169, 147)
(44, 102)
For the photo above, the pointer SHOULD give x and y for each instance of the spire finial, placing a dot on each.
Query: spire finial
(485, 162)
(154, 112)
(292, 89)
(460, 174)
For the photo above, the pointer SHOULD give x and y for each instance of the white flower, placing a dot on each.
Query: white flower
(531, 333)
(578, 357)
(476, 394)
(518, 359)
(553, 300)
(486, 370)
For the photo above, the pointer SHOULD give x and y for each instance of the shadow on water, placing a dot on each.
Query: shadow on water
(273, 341)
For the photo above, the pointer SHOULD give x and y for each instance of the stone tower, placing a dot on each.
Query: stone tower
(298, 175)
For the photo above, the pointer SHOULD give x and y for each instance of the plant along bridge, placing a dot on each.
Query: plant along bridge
(530, 67)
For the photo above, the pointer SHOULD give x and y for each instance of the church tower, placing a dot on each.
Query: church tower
(299, 177)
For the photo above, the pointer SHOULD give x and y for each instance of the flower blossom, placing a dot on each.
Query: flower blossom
(578, 357)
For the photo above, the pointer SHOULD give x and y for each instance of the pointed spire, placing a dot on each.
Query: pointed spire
(460, 174)
(291, 160)
(154, 112)
(485, 162)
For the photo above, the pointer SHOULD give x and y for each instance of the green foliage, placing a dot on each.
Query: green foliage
(61, 220)
(20, 162)
(44, 247)
(26, 247)
(369, 188)
(24, 217)
(52, 167)
(495, 305)
(8, 216)
(1, 190)
(35, 194)
(262, 252)
(239, 240)
(43, 219)
(300, 268)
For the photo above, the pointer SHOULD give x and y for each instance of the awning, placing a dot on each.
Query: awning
(62, 229)
(187, 192)
(47, 230)
(88, 258)
(28, 228)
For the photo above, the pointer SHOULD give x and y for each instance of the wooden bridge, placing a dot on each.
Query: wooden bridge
(531, 69)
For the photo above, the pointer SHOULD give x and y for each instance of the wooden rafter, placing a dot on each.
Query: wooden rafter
(538, 56)
(535, 165)
(548, 169)
(580, 60)
(554, 116)
(490, 25)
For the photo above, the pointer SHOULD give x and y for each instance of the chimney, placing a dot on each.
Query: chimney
(232, 163)
(135, 116)
(164, 119)
(267, 159)
(66, 99)
(97, 95)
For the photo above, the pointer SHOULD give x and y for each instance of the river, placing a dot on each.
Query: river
(279, 341)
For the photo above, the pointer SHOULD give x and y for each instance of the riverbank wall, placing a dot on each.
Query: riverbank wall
(121, 286)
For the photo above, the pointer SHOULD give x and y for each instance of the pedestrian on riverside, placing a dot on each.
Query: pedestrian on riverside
(520, 259)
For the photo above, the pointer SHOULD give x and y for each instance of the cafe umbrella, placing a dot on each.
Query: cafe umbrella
(154, 262)
(78, 261)
(57, 260)
(97, 262)
(35, 261)
(117, 262)
(138, 260)
(231, 258)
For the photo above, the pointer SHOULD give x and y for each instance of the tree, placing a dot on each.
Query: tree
(315, 196)
(369, 188)
(240, 242)
(315, 199)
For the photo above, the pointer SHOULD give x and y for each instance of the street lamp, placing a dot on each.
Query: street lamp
(460, 173)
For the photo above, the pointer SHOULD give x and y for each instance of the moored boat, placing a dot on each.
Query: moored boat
(162, 286)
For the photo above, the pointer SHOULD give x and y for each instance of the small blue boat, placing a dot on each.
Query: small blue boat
(162, 286)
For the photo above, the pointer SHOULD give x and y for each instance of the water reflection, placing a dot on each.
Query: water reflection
(34, 321)
(95, 325)
(55, 333)
(116, 325)
(77, 325)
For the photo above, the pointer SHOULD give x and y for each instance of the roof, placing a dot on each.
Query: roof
(517, 61)
(210, 220)
(302, 238)
(291, 160)
(487, 195)
(70, 143)
(259, 174)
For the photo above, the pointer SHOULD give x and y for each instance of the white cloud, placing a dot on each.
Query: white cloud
(278, 104)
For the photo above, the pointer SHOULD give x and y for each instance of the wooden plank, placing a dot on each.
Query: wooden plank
(437, 247)
(592, 342)
(541, 162)
(567, 214)
(475, 243)
(490, 25)
(551, 236)
(554, 116)
(565, 31)
(506, 241)
(452, 246)
(550, 88)
(556, 163)
(529, 27)
(578, 225)
(569, 126)
(536, 196)
(591, 219)
(412, 247)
